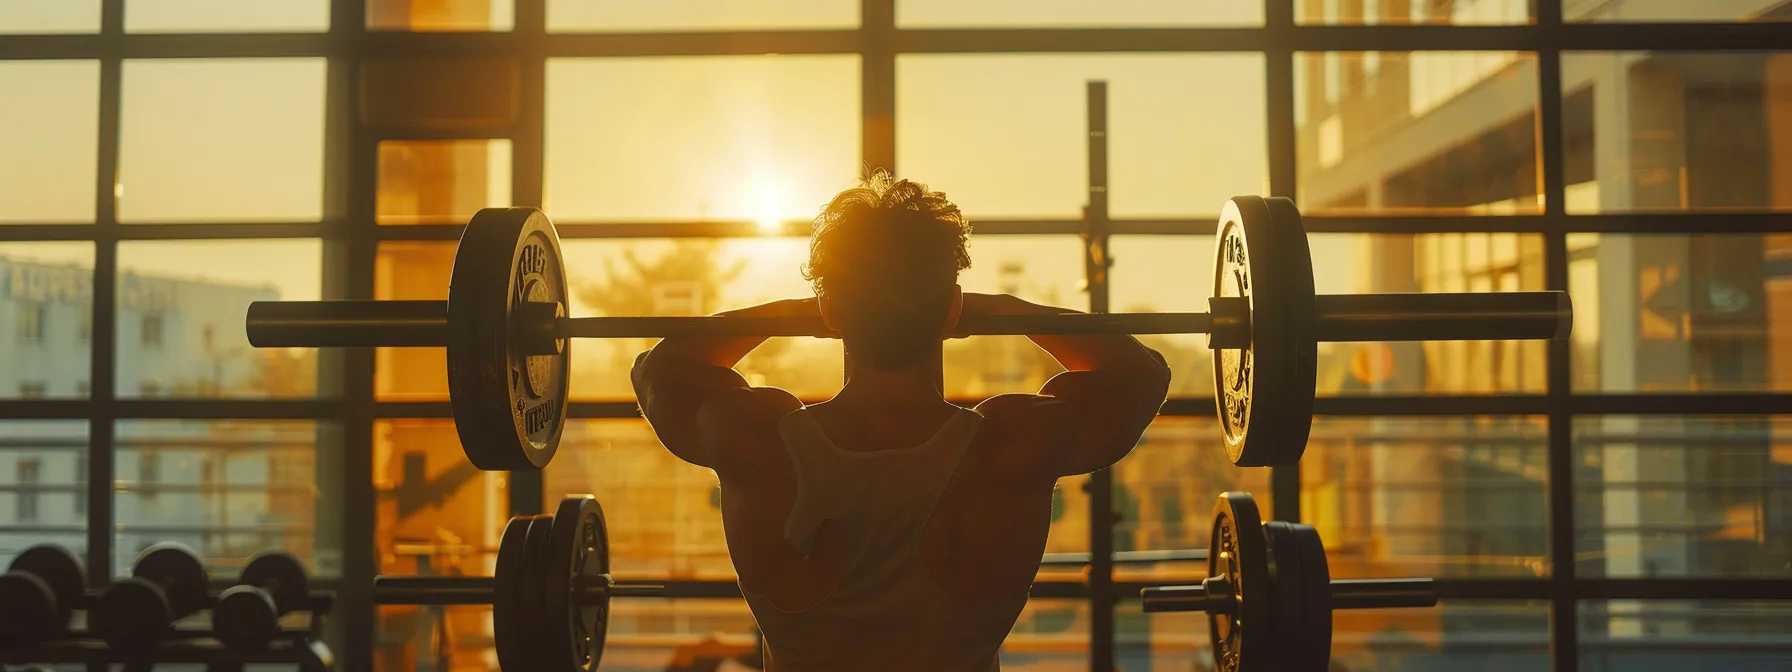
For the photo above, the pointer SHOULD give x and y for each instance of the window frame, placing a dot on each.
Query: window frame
(350, 223)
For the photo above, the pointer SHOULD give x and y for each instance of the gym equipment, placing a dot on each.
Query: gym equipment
(168, 583)
(1270, 596)
(505, 327)
(247, 615)
(550, 593)
(38, 592)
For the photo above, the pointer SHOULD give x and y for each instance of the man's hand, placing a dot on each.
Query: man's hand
(809, 307)
(978, 305)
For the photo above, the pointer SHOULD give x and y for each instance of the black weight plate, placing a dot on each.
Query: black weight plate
(61, 570)
(1316, 639)
(30, 606)
(579, 555)
(510, 624)
(537, 619)
(1236, 550)
(132, 614)
(1288, 615)
(178, 571)
(280, 574)
(1266, 390)
(509, 407)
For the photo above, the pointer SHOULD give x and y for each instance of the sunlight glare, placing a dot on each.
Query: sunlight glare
(770, 204)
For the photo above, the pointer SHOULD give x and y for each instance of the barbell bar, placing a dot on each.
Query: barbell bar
(464, 590)
(1269, 596)
(508, 336)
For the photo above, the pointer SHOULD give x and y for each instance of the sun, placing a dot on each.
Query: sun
(769, 203)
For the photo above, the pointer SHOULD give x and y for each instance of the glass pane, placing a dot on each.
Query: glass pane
(1076, 13)
(703, 276)
(1164, 493)
(180, 322)
(1645, 131)
(436, 514)
(1161, 641)
(1442, 262)
(460, 15)
(1668, 313)
(434, 637)
(1167, 274)
(1683, 496)
(440, 181)
(760, 138)
(1007, 135)
(1667, 12)
(1429, 496)
(580, 15)
(411, 270)
(226, 16)
(48, 148)
(49, 16)
(229, 140)
(1744, 636)
(43, 485)
(1417, 132)
(1456, 12)
(227, 488)
(1050, 635)
(46, 319)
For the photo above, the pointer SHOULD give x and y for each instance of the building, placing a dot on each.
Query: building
(225, 488)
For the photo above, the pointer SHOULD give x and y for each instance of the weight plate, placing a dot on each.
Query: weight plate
(1236, 551)
(1316, 594)
(509, 405)
(61, 571)
(177, 570)
(280, 574)
(1288, 615)
(579, 556)
(510, 624)
(31, 607)
(531, 602)
(132, 614)
(245, 618)
(1261, 255)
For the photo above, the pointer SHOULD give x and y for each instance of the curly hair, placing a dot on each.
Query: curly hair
(888, 254)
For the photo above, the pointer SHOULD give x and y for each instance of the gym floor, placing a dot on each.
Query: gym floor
(1618, 500)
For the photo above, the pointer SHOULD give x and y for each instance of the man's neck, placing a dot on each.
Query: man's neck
(885, 388)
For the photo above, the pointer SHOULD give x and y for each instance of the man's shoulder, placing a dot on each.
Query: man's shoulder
(748, 405)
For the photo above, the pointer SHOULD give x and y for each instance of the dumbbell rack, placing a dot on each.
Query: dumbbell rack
(301, 646)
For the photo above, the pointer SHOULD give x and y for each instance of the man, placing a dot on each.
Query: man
(885, 528)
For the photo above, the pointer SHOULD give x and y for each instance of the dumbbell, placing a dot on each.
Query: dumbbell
(168, 583)
(247, 615)
(39, 590)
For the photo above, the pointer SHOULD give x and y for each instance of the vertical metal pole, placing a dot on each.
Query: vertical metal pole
(877, 83)
(526, 180)
(355, 614)
(1564, 643)
(1102, 597)
(1284, 171)
(102, 437)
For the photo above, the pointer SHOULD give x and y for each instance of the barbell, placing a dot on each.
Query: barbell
(550, 592)
(1269, 594)
(506, 330)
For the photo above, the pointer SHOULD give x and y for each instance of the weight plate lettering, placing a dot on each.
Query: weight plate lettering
(1265, 389)
(579, 555)
(511, 625)
(509, 402)
(1236, 551)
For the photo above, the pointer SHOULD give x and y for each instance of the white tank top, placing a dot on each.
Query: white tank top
(887, 613)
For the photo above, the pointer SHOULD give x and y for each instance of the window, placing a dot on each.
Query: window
(150, 329)
(32, 389)
(80, 480)
(32, 320)
(84, 329)
(30, 473)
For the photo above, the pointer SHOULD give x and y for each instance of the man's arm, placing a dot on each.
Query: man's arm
(686, 382)
(1093, 413)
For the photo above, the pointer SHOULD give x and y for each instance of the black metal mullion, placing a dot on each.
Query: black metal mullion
(1284, 177)
(527, 184)
(1564, 649)
(877, 87)
(1100, 484)
(102, 430)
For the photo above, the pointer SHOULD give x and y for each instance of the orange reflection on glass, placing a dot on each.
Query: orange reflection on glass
(411, 270)
(441, 181)
(1164, 493)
